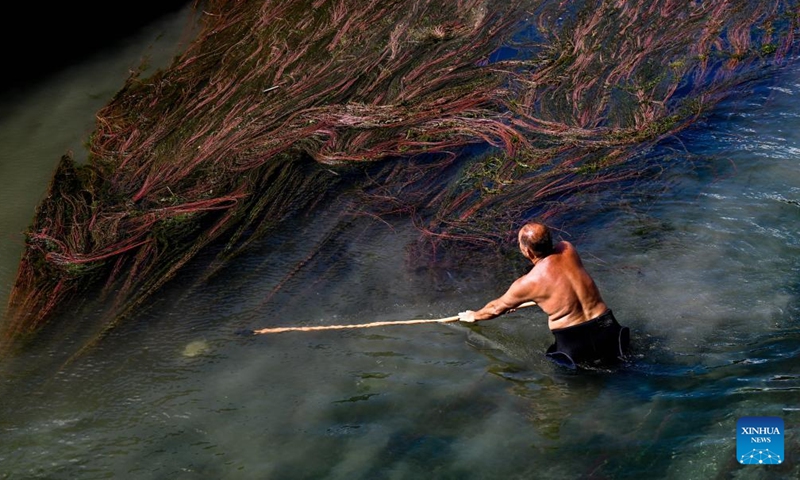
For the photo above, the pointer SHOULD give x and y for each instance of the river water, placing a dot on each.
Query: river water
(701, 263)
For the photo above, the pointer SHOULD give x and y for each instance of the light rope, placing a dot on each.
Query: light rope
(368, 325)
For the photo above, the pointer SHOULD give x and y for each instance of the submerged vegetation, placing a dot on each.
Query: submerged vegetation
(276, 106)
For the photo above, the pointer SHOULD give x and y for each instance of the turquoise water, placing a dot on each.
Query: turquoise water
(702, 264)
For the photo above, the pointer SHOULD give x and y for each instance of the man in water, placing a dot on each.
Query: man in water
(585, 329)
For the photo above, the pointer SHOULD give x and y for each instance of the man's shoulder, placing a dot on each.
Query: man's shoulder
(566, 250)
(563, 246)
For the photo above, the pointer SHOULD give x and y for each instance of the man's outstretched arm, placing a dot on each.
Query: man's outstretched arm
(513, 298)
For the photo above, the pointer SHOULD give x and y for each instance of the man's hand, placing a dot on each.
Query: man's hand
(468, 316)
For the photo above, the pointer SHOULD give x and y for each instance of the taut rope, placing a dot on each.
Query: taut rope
(367, 325)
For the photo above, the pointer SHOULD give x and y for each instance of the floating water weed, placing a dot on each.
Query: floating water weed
(277, 105)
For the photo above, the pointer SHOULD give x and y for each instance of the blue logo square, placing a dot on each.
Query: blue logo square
(759, 440)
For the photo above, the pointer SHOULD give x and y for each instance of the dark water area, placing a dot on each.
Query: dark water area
(68, 33)
(701, 261)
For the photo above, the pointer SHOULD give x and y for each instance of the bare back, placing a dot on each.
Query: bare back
(562, 288)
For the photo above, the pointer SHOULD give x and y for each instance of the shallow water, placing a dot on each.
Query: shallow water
(701, 264)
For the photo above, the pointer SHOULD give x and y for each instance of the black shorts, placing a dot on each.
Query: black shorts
(598, 342)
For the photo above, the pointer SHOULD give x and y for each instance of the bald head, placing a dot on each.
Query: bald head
(535, 239)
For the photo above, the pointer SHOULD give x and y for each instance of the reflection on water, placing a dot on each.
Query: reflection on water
(704, 272)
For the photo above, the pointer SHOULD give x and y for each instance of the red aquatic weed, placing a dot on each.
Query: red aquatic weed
(275, 105)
